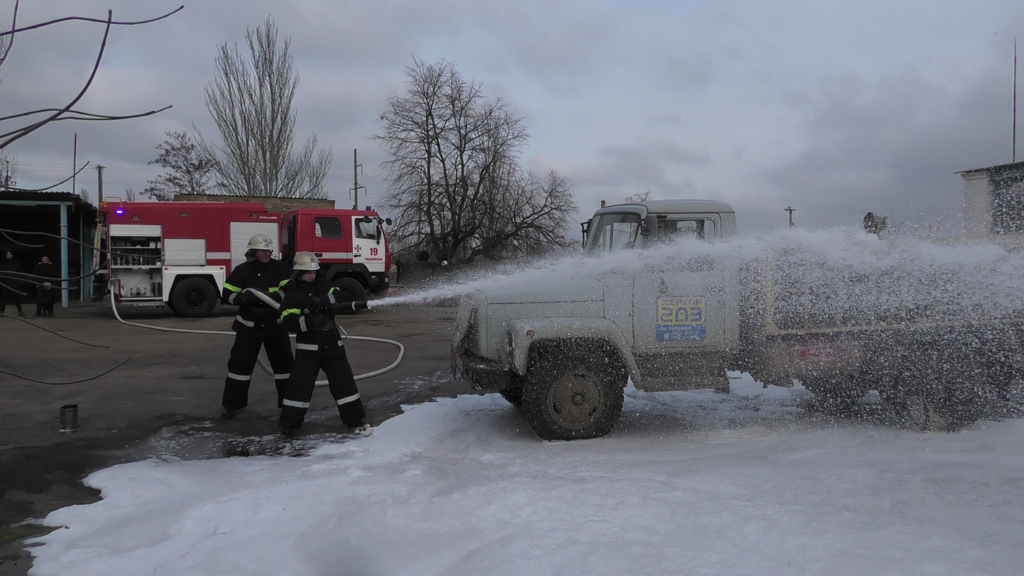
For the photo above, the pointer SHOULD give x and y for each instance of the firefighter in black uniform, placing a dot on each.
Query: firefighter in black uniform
(308, 310)
(256, 324)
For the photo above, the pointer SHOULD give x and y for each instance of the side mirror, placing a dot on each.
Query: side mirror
(380, 227)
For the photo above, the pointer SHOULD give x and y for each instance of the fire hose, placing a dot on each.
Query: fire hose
(274, 304)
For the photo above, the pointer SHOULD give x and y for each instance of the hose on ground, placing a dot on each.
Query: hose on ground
(273, 303)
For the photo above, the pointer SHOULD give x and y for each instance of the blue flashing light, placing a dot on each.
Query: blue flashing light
(119, 211)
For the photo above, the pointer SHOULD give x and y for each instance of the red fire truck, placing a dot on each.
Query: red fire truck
(179, 253)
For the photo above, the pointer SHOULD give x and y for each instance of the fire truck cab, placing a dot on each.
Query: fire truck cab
(350, 244)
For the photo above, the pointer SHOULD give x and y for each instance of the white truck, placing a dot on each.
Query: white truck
(680, 320)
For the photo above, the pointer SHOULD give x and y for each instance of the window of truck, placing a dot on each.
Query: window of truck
(327, 227)
(613, 232)
(366, 228)
(672, 230)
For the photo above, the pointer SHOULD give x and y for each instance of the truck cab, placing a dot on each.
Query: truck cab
(351, 245)
(644, 224)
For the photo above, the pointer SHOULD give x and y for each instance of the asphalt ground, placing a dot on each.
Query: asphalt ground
(142, 393)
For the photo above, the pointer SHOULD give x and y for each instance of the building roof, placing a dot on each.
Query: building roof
(1012, 166)
(41, 197)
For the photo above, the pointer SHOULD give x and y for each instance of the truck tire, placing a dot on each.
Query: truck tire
(949, 382)
(571, 396)
(193, 297)
(349, 290)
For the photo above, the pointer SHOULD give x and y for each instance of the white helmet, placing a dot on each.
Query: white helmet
(306, 262)
(261, 242)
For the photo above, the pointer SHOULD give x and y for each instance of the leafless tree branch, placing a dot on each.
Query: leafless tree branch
(56, 114)
(454, 175)
(250, 100)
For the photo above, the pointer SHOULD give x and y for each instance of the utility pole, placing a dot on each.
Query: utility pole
(99, 175)
(791, 210)
(356, 167)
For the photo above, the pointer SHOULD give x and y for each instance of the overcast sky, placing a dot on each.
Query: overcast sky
(832, 108)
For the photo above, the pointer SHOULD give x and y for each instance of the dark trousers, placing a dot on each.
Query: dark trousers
(340, 380)
(10, 298)
(242, 361)
(44, 302)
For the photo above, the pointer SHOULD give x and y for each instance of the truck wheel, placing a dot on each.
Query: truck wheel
(571, 397)
(349, 290)
(193, 297)
(946, 389)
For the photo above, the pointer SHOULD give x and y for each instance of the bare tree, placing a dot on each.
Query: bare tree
(639, 196)
(129, 195)
(190, 171)
(251, 103)
(16, 126)
(455, 183)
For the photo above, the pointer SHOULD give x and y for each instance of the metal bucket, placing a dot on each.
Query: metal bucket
(69, 418)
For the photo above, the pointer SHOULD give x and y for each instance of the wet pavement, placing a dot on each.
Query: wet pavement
(142, 393)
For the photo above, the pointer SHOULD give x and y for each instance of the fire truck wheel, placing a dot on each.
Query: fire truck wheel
(193, 297)
(350, 291)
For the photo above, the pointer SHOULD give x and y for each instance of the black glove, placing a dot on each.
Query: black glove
(316, 321)
(248, 298)
(315, 303)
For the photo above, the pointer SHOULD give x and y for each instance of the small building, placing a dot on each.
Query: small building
(994, 202)
(60, 225)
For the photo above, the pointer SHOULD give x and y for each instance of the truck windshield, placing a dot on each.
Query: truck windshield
(612, 232)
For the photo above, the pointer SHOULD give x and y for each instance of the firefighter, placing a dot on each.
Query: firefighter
(256, 324)
(308, 310)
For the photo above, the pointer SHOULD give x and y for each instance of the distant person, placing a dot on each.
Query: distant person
(308, 310)
(45, 292)
(10, 282)
(256, 324)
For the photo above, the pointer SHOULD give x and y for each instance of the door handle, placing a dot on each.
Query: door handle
(318, 254)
